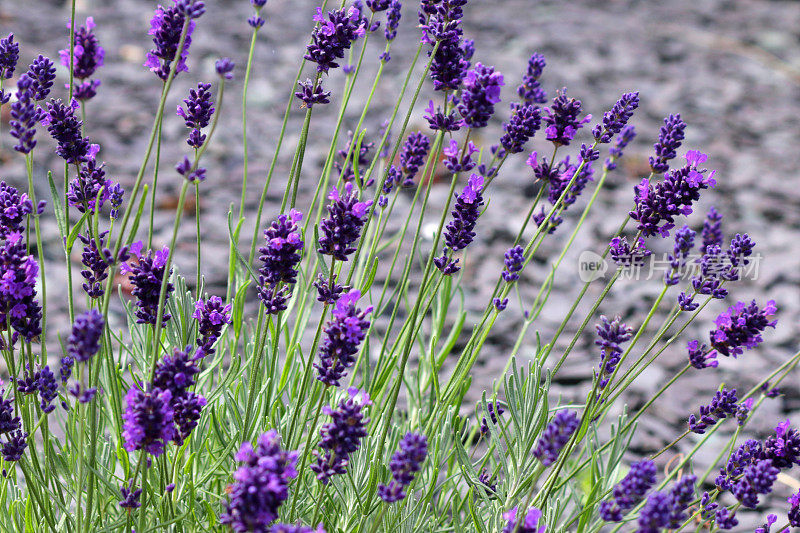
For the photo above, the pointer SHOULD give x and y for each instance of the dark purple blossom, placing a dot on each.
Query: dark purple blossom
(187, 409)
(712, 230)
(670, 137)
(701, 356)
(312, 93)
(197, 114)
(726, 519)
(43, 73)
(343, 336)
(8, 422)
(166, 27)
(279, 260)
(681, 496)
(392, 20)
(14, 210)
(616, 119)
(212, 315)
(740, 249)
(260, 484)
(342, 228)
(794, 510)
(758, 478)
(624, 254)
(24, 115)
(783, 448)
(224, 68)
(524, 123)
(530, 90)
(458, 160)
(460, 230)
(723, 405)
(406, 462)
(333, 36)
(87, 57)
(555, 436)
(97, 260)
(514, 259)
(658, 205)
(342, 436)
(412, 155)
(747, 453)
(562, 119)
(655, 515)
(610, 335)
(328, 291)
(146, 276)
(740, 327)
(15, 446)
(84, 341)
(175, 373)
(498, 304)
(480, 94)
(18, 304)
(90, 189)
(65, 127)
(148, 420)
(630, 491)
(438, 120)
(494, 410)
(130, 496)
(9, 55)
(684, 242)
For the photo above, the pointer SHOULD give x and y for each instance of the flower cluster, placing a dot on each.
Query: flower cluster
(723, 405)
(670, 137)
(480, 93)
(212, 315)
(412, 156)
(616, 119)
(146, 276)
(524, 123)
(167, 27)
(279, 260)
(197, 114)
(343, 335)
(97, 261)
(555, 436)
(529, 524)
(260, 485)
(610, 335)
(441, 25)
(406, 462)
(87, 57)
(18, 304)
(459, 232)
(341, 437)
(148, 420)
(562, 119)
(630, 491)
(620, 143)
(342, 228)
(530, 90)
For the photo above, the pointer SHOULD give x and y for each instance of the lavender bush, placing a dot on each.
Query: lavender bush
(315, 395)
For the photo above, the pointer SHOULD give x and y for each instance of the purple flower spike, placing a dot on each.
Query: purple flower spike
(166, 27)
(148, 419)
(617, 118)
(260, 485)
(457, 160)
(342, 228)
(562, 119)
(224, 68)
(412, 155)
(341, 437)
(212, 316)
(392, 19)
(197, 115)
(530, 90)
(555, 436)
(84, 341)
(723, 405)
(624, 254)
(522, 125)
(311, 93)
(9, 55)
(740, 327)
(514, 260)
(630, 491)
(65, 127)
(794, 510)
(333, 36)
(480, 94)
(406, 462)
(14, 210)
(146, 276)
(279, 260)
(15, 446)
(18, 304)
(684, 242)
(530, 523)
(712, 230)
(24, 115)
(656, 513)
(43, 73)
(130, 496)
(88, 56)
(610, 335)
(343, 336)
(438, 120)
(670, 138)
(620, 143)
(658, 205)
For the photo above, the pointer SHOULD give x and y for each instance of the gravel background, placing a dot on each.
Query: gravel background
(731, 68)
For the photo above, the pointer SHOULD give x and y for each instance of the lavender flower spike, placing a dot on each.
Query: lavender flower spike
(555, 436)
(669, 140)
(630, 491)
(332, 37)
(342, 227)
(24, 115)
(146, 276)
(9, 55)
(166, 27)
(87, 57)
(197, 115)
(480, 93)
(343, 335)
(617, 118)
(530, 523)
(562, 119)
(147, 420)
(405, 463)
(611, 334)
(341, 437)
(279, 260)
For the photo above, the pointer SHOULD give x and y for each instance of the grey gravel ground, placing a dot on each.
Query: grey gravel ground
(731, 68)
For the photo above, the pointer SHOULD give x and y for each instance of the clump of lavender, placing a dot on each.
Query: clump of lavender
(212, 316)
(197, 114)
(480, 93)
(87, 57)
(346, 216)
(343, 336)
(332, 37)
(342, 436)
(562, 119)
(610, 335)
(148, 420)
(406, 462)
(166, 27)
(670, 137)
(279, 260)
(146, 276)
(14, 210)
(460, 231)
(24, 115)
(530, 90)
(723, 405)
(529, 524)
(514, 259)
(524, 123)
(261, 484)
(555, 436)
(658, 205)
(630, 491)
(15, 446)
(9, 55)
(441, 23)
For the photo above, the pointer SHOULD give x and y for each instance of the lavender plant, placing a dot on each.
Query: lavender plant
(324, 387)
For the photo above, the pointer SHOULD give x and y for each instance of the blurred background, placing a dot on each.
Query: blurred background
(730, 68)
